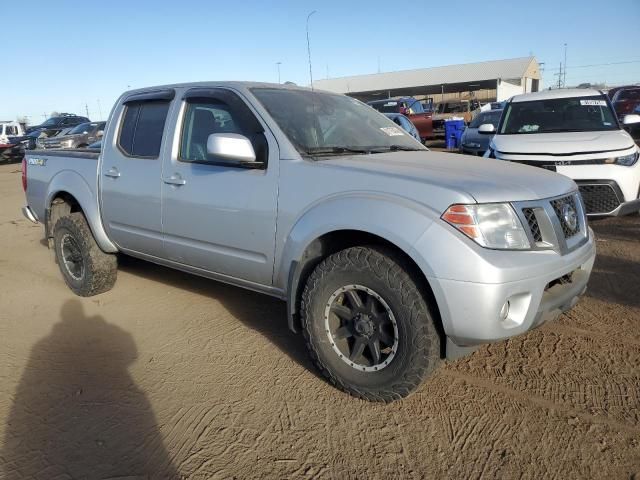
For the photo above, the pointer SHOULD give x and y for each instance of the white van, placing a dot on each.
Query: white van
(574, 132)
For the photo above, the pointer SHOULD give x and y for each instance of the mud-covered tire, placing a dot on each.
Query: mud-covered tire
(380, 270)
(98, 270)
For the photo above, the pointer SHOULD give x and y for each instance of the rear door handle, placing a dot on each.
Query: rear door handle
(175, 179)
(112, 172)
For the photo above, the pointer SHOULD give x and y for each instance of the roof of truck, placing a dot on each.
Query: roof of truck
(557, 93)
(232, 84)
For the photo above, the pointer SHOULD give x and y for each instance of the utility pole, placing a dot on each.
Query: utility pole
(309, 50)
(378, 63)
(278, 65)
(560, 76)
(86, 108)
(564, 77)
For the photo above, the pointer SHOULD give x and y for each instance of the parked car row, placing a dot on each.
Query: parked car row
(581, 133)
(80, 136)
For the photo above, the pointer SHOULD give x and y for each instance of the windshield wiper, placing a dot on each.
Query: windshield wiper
(336, 150)
(395, 148)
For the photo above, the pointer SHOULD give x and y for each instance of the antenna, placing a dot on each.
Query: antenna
(309, 50)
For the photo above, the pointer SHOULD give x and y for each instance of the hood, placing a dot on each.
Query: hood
(484, 179)
(563, 143)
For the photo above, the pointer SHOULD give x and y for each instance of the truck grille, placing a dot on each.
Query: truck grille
(560, 207)
(599, 198)
(556, 223)
(532, 221)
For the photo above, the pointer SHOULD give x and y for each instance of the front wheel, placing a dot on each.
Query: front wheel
(368, 327)
(86, 269)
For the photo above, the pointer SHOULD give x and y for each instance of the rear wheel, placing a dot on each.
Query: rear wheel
(367, 325)
(86, 269)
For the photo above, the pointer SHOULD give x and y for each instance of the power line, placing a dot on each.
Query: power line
(598, 65)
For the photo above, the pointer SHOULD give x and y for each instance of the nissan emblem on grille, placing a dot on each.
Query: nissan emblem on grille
(567, 213)
(570, 216)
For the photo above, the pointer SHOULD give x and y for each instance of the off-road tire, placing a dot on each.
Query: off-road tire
(391, 277)
(99, 268)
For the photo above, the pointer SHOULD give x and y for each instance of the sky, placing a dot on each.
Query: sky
(70, 56)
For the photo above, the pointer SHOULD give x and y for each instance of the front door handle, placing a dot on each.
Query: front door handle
(175, 179)
(112, 172)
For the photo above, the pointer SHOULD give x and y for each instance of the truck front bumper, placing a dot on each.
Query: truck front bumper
(474, 313)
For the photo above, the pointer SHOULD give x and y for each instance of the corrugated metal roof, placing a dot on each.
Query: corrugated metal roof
(469, 72)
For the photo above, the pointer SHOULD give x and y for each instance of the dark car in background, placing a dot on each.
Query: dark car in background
(78, 137)
(473, 142)
(54, 125)
(625, 100)
(411, 108)
(404, 123)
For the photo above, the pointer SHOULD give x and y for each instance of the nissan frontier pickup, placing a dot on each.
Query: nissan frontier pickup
(390, 256)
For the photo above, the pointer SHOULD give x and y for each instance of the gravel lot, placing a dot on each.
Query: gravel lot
(170, 375)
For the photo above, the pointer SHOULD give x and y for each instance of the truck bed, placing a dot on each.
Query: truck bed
(51, 171)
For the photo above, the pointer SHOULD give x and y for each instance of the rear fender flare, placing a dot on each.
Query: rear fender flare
(72, 183)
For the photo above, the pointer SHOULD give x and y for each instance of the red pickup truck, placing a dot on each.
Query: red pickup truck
(411, 108)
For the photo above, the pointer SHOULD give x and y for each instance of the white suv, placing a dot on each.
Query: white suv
(574, 132)
(9, 129)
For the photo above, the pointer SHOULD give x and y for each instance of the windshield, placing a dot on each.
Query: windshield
(318, 123)
(452, 108)
(576, 114)
(82, 128)
(486, 117)
(629, 95)
(52, 122)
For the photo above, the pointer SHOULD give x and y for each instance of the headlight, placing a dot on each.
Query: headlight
(491, 225)
(66, 143)
(627, 160)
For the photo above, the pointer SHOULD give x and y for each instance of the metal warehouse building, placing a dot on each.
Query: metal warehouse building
(494, 80)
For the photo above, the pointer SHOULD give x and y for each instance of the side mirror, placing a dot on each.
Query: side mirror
(487, 129)
(99, 133)
(631, 119)
(231, 146)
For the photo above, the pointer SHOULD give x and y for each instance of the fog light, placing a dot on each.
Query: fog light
(504, 312)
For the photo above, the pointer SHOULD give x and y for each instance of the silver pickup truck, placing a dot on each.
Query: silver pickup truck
(389, 256)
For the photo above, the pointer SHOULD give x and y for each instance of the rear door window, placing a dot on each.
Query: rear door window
(142, 128)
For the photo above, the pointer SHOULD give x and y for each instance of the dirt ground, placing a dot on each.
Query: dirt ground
(170, 375)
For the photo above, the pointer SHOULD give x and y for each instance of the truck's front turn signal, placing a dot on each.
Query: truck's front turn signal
(491, 225)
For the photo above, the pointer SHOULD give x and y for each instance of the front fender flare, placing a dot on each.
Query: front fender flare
(395, 219)
(74, 184)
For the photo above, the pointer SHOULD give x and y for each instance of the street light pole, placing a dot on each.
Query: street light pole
(309, 49)
(278, 65)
